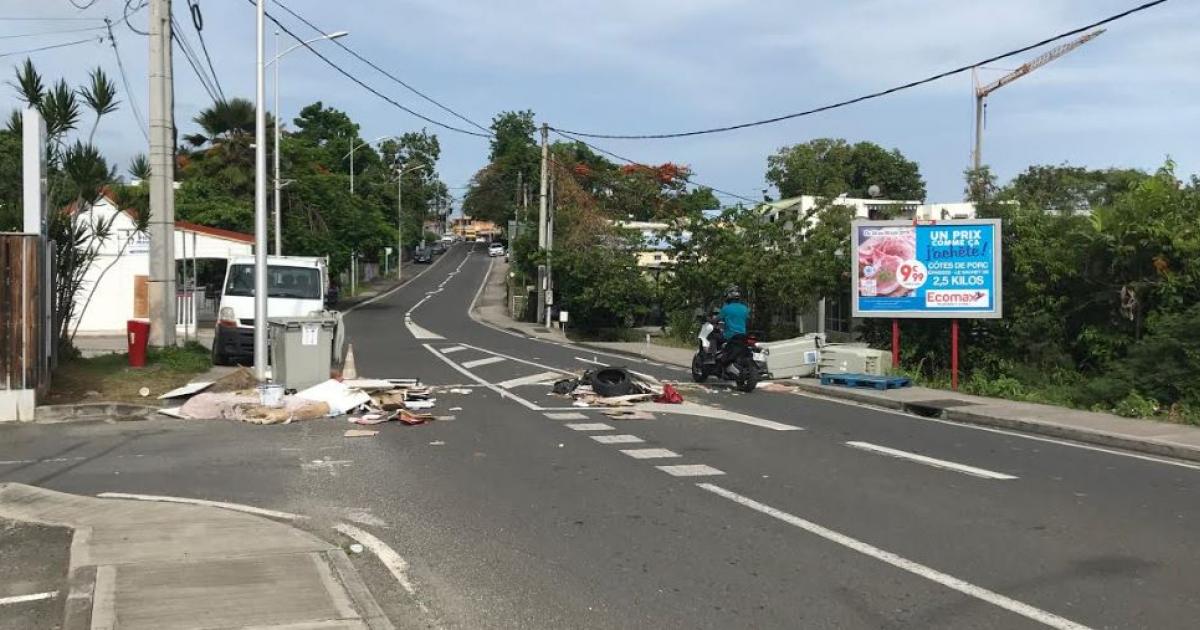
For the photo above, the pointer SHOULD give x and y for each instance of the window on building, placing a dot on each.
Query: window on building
(837, 314)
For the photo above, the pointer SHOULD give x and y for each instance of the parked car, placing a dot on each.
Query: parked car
(423, 255)
(496, 249)
(438, 248)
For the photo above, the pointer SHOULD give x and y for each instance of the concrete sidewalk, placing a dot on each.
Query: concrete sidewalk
(162, 566)
(1104, 429)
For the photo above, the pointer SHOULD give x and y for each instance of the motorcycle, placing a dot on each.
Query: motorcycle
(738, 359)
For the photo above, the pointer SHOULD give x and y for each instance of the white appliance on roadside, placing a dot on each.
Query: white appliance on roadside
(854, 359)
(793, 357)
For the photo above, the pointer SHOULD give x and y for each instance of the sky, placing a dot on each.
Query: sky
(1130, 98)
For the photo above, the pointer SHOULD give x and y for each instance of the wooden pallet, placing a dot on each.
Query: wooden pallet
(865, 380)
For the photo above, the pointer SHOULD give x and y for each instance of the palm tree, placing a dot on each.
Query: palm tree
(226, 121)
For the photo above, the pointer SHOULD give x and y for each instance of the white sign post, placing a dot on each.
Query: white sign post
(33, 166)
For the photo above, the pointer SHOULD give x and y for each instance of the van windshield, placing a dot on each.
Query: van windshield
(302, 283)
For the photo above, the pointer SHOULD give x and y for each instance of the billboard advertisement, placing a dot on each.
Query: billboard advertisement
(947, 269)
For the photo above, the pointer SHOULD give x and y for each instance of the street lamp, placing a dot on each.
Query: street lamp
(355, 147)
(278, 184)
(400, 171)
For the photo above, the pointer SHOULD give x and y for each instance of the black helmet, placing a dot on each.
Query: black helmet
(733, 293)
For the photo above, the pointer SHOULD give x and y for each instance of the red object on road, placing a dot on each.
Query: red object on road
(669, 395)
(137, 333)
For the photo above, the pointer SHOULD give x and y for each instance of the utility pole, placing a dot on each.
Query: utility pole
(161, 285)
(550, 255)
(260, 202)
(399, 223)
(278, 184)
(543, 271)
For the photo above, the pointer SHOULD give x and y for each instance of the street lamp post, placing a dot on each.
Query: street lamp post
(355, 147)
(400, 171)
(278, 184)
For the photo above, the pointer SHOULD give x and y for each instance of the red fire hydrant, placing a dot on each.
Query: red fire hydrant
(137, 335)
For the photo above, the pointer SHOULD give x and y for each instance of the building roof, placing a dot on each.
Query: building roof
(188, 226)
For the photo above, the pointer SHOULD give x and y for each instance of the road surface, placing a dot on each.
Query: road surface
(764, 510)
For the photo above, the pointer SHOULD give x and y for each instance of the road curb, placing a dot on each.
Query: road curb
(90, 412)
(1148, 446)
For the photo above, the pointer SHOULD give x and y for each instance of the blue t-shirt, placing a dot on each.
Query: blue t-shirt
(736, 315)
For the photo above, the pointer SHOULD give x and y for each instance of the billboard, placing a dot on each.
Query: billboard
(947, 269)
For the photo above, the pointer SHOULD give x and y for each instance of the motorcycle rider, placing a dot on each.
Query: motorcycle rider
(735, 314)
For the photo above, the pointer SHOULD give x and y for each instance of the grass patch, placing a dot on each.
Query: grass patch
(109, 377)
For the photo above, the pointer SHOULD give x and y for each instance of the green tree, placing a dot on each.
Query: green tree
(1071, 189)
(493, 193)
(828, 167)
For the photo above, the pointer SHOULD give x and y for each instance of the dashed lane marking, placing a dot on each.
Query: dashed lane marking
(590, 426)
(650, 453)
(929, 461)
(618, 439)
(33, 597)
(690, 470)
(566, 415)
(949, 581)
(485, 361)
(452, 349)
(532, 379)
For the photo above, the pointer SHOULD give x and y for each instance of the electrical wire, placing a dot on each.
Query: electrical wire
(128, 12)
(873, 95)
(193, 61)
(198, 22)
(84, 7)
(49, 19)
(367, 87)
(133, 102)
(593, 147)
(73, 30)
(63, 45)
(385, 72)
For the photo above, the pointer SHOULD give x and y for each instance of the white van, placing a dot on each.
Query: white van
(296, 286)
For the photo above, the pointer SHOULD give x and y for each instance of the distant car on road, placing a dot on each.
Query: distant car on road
(438, 248)
(423, 255)
(496, 249)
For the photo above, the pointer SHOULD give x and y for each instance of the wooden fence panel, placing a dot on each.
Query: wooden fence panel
(22, 333)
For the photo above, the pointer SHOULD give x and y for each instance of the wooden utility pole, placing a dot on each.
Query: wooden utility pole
(161, 285)
(543, 201)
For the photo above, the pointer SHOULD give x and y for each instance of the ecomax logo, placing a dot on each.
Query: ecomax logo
(958, 299)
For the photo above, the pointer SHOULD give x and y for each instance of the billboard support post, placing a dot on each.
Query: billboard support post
(954, 354)
(895, 342)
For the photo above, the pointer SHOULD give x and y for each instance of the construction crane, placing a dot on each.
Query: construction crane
(982, 92)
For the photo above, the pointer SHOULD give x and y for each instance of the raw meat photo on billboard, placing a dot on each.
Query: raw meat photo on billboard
(881, 253)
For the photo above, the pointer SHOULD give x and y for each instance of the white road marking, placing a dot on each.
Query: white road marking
(418, 332)
(618, 439)
(692, 409)
(929, 461)
(452, 349)
(503, 393)
(591, 361)
(34, 597)
(590, 426)
(395, 564)
(533, 379)
(650, 453)
(395, 289)
(690, 470)
(567, 415)
(236, 507)
(484, 361)
(949, 581)
(517, 359)
(41, 461)
(1011, 433)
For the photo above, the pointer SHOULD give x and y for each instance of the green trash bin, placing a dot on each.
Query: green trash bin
(301, 350)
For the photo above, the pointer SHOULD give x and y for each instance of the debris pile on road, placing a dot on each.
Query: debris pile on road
(614, 387)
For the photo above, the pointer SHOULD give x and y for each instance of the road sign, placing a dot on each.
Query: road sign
(947, 269)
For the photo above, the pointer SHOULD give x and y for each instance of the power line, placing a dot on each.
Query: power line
(49, 19)
(133, 104)
(63, 45)
(73, 30)
(370, 89)
(873, 95)
(189, 55)
(572, 138)
(385, 72)
(198, 22)
(127, 12)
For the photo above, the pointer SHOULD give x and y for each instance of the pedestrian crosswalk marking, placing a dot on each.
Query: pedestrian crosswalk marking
(530, 380)
(650, 453)
(590, 426)
(485, 361)
(690, 470)
(618, 439)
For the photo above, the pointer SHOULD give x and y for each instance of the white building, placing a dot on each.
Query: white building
(871, 208)
(121, 271)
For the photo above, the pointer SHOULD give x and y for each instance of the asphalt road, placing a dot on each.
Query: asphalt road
(790, 512)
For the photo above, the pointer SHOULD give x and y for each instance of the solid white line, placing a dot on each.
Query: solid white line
(1008, 432)
(929, 461)
(419, 332)
(949, 581)
(236, 507)
(485, 361)
(394, 289)
(395, 564)
(503, 393)
(533, 379)
(693, 409)
(618, 439)
(690, 470)
(452, 349)
(20, 599)
(517, 359)
(650, 453)
(591, 361)
(569, 415)
(590, 426)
